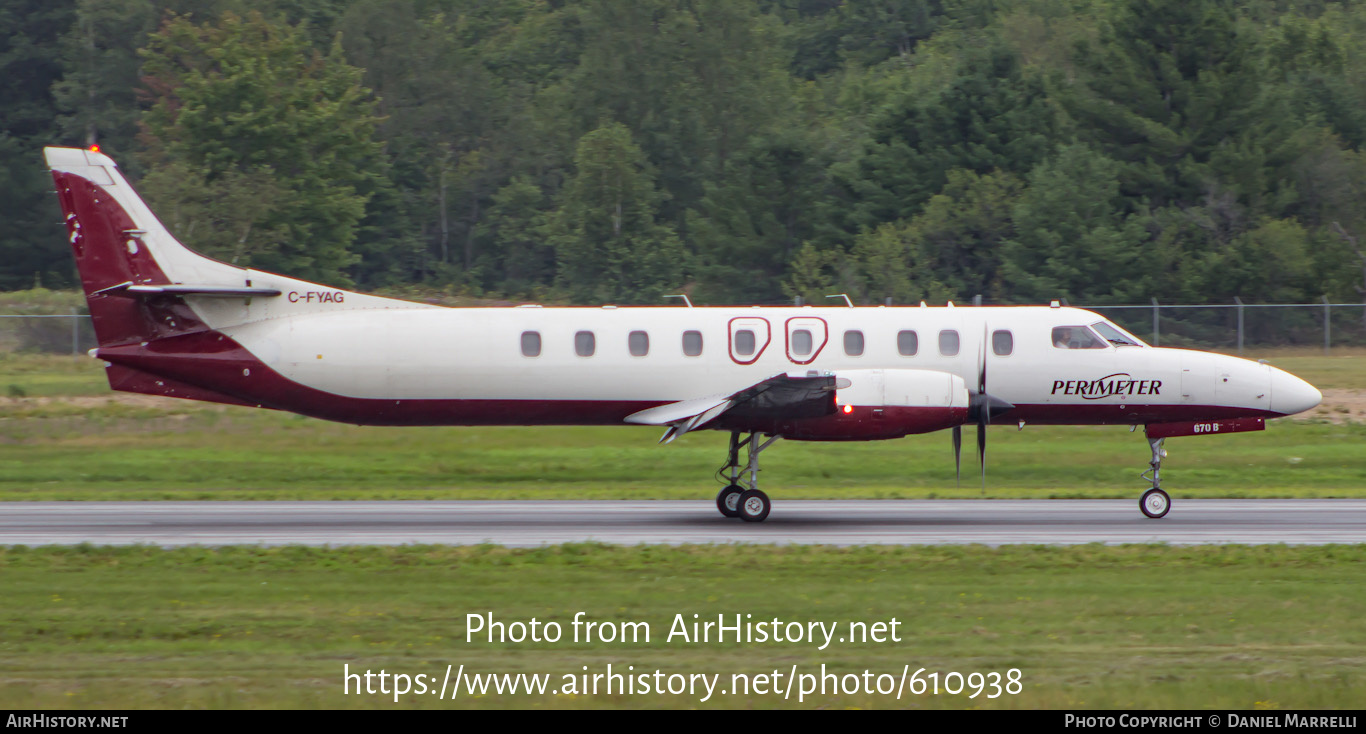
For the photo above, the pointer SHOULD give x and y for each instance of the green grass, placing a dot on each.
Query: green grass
(41, 300)
(50, 375)
(1103, 627)
(122, 452)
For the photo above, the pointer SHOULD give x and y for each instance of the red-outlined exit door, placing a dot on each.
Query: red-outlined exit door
(806, 337)
(749, 337)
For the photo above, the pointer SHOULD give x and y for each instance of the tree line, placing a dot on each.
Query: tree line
(742, 151)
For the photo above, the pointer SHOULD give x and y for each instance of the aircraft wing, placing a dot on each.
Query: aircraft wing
(782, 396)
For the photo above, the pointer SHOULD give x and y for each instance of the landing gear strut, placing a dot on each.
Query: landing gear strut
(1155, 503)
(748, 504)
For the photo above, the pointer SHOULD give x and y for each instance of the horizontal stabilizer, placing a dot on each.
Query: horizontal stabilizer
(128, 289)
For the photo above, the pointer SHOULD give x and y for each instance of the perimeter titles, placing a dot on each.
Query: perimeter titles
(684, 629)
(1120, 383)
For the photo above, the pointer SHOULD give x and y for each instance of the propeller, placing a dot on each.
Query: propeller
(981, 407)
(984, 413)
(958, 454)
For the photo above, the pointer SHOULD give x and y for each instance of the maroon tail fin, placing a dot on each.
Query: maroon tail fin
(111, 251)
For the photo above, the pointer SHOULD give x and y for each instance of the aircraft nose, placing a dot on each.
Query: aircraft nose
(1290, 394)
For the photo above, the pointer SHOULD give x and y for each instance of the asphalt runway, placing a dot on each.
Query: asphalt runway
(533, 523)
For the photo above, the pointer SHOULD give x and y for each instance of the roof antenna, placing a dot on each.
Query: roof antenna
(684, 296)
(845, 296)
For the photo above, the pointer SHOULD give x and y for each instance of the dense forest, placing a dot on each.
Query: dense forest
(742, 151)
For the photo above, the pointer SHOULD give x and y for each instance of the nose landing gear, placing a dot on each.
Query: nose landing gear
(750, 505)
(1155, 503)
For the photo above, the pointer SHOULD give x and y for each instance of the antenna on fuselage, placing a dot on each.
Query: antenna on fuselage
(684, 296)
(845, 296)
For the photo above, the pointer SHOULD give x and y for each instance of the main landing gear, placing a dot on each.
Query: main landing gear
(1155, 503)
(750, 505)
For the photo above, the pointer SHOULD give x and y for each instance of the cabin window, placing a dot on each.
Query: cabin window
(585, 344)
(801, 342)
(948, 343)
(907, 343)
(1076, 337)
(853, 343)
(639, 343)
(1002, 342)
(531, 344)
(744, 342)
(692, 343)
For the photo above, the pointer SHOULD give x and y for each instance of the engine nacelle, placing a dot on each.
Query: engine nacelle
(878, 404)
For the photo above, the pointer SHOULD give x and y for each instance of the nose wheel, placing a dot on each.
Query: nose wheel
(737, 500)
(1155, 503)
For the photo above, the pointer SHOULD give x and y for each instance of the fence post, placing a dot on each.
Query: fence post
(977, 300)
(1157, 332)
(1239, 301)
(75, 332)
(1327, 327)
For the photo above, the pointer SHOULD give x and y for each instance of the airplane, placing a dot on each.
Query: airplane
(172, 322)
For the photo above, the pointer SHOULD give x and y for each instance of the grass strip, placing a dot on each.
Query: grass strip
(1089, 627)
(125, 453)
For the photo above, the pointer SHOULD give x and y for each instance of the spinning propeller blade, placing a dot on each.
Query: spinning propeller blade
(982, 452)
(983, 415)
(981, 406)
(958, 454)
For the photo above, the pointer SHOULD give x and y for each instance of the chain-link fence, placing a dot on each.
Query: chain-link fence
(1238, 326)
(1230, 327)
(47, 333)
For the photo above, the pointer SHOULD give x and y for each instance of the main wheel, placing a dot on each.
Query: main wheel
(754, 506)
(1155, 503)
(728, 501)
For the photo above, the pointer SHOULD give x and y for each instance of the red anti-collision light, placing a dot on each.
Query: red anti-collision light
(95, 148)
(848, 409)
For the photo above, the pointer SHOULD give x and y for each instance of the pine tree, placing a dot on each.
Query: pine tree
(991, 116)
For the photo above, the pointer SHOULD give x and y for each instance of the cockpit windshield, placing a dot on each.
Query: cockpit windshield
(1076, 337)
(1116, 336)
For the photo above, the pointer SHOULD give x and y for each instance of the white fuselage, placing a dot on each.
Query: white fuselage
(363, 347)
